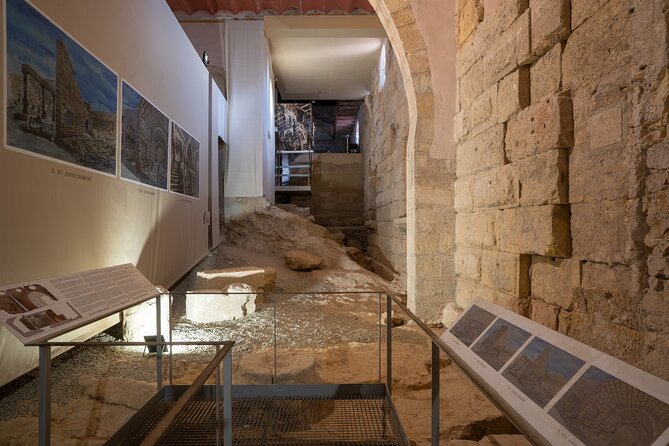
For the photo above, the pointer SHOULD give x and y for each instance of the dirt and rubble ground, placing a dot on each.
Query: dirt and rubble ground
(96, 389)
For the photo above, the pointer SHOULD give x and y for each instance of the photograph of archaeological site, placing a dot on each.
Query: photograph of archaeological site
(499, 343)
(184, 174)
(602, 410)
(61, 101)
(541, 370)
(143, 140)
(472, 324)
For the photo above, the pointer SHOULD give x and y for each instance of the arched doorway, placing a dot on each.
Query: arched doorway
(430, 161)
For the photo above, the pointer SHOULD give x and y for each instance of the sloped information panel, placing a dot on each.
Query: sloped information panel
(571, 393)
(40, 310)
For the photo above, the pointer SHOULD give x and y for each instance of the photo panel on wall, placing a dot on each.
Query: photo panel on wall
(61, 100)
(185, 163)
(144, 140)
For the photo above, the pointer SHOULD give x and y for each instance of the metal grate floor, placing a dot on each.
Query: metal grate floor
(323, 418)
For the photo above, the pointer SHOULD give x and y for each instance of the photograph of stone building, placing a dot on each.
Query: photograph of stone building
(184, 172)
(61, 101)
(294, 124)
(499, 343)
(541, 370)
(144, 140)
(472, 324)
(602, 410)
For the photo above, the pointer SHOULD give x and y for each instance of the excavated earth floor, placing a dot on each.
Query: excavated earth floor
(96, 389)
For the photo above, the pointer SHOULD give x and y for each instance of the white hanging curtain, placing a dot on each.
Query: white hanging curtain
(250, 109)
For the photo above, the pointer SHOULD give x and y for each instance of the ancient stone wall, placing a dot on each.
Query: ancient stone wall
(337, 191)
(562, 185)
(383, 135)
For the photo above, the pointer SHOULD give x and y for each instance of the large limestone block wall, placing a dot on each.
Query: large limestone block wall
(562, 191)
(384, 131)
(336, 189)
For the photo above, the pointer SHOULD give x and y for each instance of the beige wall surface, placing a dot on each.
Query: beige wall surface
(55, 224)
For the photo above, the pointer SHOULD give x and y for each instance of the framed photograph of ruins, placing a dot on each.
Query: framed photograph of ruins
(571, 393)
(60, 100)
(185, 163)
(144, 140)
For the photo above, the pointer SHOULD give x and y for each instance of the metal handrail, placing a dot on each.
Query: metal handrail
(526, 428)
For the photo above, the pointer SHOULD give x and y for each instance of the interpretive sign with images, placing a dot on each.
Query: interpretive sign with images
(570, 393)
(60, 100)
(40, 310)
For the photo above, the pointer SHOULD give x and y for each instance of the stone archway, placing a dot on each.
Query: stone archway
(430, 163)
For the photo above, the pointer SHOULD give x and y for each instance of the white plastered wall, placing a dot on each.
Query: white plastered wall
(53, 225)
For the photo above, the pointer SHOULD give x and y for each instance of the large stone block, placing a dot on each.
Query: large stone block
(656, 306)
(506, 272)
(545, 314)
(607, 231)
(482, 152)
(554, 280)
(513, 93)
(207, 306)
(467, 292)
(543, 178)
(481, 115)
(551, 23)
(494, 188)
(542, 230)
(658, 157)
(478, 229)
(217, 279)
(600, 174)
(606, 127)
(584, 9)
(473, 48)
(469, 17)
(617, 340)
(546, 74)
(509, 51)
(613, 292)
(500, 14)
(468, 264)
(543, 126)
(605, 33)
(470, 86)
(657, 209)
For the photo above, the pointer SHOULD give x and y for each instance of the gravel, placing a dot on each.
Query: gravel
(302, 321)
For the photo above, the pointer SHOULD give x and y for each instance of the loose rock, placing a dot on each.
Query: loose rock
(302, 261)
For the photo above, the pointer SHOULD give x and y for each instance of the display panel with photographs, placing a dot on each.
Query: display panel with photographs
(61, 100)
(541, 370)
(39, 311)
(567, 391)
(472, 324)
(185, 168)
(499, 343)
(36, 308)
(602, 410)
(144, 140)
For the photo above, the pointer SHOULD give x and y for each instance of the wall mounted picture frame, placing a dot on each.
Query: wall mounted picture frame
(144, 140)
(185, 163)
(60, 101)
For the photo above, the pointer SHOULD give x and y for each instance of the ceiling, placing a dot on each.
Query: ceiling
(253, 8)
(324, 57)
(321, 49)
